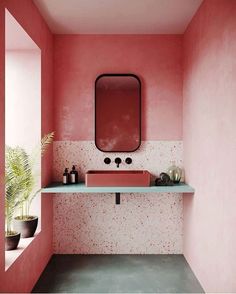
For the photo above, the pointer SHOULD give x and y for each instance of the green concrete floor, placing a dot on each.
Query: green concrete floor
(118, 274)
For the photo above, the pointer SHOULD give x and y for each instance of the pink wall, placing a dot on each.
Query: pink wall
(78, 60)
(25, 271)
(209, 93)
(156, 59)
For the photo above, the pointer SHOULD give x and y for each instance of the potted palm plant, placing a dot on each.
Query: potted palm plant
(25, 223)
(13, 188)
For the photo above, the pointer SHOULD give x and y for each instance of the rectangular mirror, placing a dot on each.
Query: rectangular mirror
(117, 112)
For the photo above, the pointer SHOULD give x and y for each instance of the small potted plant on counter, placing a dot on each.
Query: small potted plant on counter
(25, 223)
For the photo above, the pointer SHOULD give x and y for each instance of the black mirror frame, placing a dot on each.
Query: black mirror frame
(140, 110)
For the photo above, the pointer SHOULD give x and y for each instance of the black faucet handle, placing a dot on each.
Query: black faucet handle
(107, 160)
(117, 161)
(128, 160)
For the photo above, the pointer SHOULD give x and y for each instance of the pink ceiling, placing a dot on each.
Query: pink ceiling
(16, 36)
(118, 16)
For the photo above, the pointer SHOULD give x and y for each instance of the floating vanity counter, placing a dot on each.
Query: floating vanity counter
(81, 188)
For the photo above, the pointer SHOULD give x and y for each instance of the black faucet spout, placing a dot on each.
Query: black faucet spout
(118, 161)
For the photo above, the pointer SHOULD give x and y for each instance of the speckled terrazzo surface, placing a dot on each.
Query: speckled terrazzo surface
(93, 224)
(85, 223)
(155, 156)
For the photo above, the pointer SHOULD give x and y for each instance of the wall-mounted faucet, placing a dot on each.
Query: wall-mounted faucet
(117, 161)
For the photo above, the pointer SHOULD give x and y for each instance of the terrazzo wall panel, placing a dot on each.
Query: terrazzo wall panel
(92, 223)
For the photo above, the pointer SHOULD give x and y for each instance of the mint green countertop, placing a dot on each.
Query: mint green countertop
(81, 188)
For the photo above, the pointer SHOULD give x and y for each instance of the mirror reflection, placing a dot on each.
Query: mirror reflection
(117, 113)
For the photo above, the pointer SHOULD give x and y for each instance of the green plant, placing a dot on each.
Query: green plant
(14, 178)
(21, 180)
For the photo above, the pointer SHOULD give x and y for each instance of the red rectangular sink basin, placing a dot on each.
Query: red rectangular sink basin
(117, 178)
